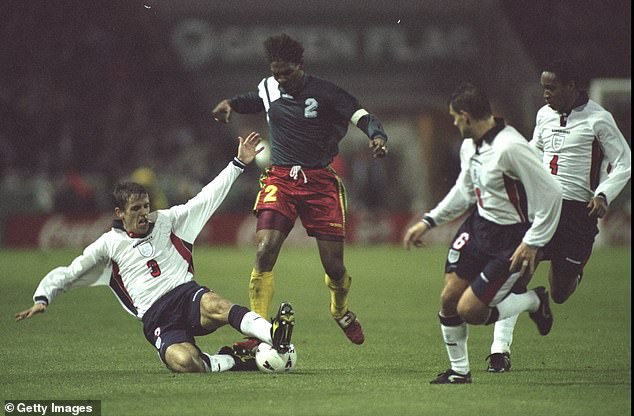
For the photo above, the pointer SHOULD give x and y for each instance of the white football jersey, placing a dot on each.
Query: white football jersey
(584, 151)
(141, 270)
(504, 178)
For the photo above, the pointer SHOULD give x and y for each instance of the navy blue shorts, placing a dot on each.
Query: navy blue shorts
(175, 317)
(571, 246)
(480, 252)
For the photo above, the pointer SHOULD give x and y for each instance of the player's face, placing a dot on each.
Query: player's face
(559, 96)
(289, 75)
(461, 121)
(135, 214)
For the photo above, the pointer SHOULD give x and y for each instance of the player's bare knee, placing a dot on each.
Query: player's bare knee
(449, 298)
(448, 303)
(183, 359)
(471, 309)
(266, 255)
(472, 314)
(214, 307)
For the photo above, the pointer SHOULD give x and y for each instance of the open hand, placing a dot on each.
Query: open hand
(247, 147)
(33, 310)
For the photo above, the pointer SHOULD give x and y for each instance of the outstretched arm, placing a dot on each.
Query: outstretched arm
(189, 219)
(247, 149)
(249, 103)
(37, 308)
(91, 268)
(222, 111)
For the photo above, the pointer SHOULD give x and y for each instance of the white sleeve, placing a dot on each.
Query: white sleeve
(542, 191)
(619, 155)
(91, 268)
(461, 196)
(537, 142)
(189, 219)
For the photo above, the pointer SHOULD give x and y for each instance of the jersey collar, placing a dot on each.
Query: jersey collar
(490, 135)
(118, 224)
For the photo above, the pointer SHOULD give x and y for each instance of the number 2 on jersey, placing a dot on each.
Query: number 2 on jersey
(310, 111)
(270, 192)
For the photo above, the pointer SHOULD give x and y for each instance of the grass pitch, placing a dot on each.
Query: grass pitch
(86, 347)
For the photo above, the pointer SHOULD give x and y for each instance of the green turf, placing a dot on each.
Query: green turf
(87, 347)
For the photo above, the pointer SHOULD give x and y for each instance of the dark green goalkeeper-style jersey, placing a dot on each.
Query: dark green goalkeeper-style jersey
(304, 129)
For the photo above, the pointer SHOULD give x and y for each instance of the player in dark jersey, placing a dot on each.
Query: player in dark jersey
(307, 117)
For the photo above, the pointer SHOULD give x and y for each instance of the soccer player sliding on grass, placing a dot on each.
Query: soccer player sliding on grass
(146, 259)
(517, 210)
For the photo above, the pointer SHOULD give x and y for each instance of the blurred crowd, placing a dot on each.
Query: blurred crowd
(95, 95)
(89, 97)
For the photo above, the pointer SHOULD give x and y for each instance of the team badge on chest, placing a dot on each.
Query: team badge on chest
(146, 249)
(557, 141)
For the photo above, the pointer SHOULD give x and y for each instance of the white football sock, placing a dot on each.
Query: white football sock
(219, 363)
(503, 335)
(455, 338)
(515, 304)
(253, 325)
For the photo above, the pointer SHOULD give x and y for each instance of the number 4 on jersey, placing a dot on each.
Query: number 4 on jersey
(554, 167)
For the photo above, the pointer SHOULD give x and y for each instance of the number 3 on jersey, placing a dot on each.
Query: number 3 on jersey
(155, 270)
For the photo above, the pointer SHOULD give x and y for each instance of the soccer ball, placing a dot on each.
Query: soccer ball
(263, 159)
(269, 360)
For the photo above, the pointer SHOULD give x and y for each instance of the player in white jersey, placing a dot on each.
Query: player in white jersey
(517, 210)
(146, 259)
(584, 151)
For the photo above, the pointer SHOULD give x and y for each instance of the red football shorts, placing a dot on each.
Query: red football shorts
(317, 196)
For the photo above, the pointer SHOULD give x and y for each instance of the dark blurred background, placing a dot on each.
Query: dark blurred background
(95, 92)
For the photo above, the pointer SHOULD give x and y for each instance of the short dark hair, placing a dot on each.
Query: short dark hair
(124, 190)
(284, 48)
(564, 70)
(467, 97)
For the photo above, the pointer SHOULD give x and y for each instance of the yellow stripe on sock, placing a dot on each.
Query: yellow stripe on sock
(261, 290)
(338, 295)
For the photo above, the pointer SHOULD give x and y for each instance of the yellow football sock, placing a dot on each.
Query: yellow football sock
(261, 289)
(339, 295)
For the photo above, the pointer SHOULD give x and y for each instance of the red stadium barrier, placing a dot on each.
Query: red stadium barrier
(58, 231)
